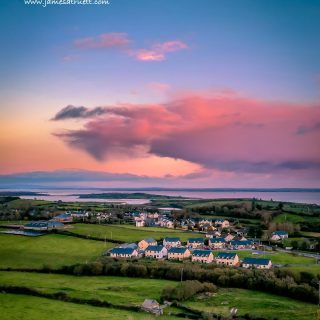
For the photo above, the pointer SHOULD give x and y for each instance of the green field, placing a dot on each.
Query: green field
(276, 257)
(256, 303)
(54, 250)
(315, 270)
(13, 307)
(129, 233)
(117, 290)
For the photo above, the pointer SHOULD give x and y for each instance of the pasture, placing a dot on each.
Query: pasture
(116, 290)
(129, 233)
(255, 303)
(54, 250)
(13, 307)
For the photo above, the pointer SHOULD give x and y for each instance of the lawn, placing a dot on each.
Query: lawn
(117, 290)
(13, 307)
(255, 303)
(54, 250)
(276, 257)
(129, 233)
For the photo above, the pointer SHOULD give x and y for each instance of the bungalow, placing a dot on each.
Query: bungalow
(195, 242)
(222, 223)
(157, 252)
(178, 253)
(256, 263)
(217, 243)
(143, 244)
(204, 256)
(279, 235)
(171, 242)
(227, 258)
(43, 225)
(238, 244)
(123, 253)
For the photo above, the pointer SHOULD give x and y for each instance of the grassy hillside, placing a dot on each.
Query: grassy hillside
(13, 307)
(129, 233)
(256, 303)
(53, 250)
(117, 290)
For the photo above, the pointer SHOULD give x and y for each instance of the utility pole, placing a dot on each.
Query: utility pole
(182, 276)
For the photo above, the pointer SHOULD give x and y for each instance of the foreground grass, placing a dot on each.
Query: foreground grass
(13, 307)
(256, 303)
(129, 233)
(116, 290)
(54, 250)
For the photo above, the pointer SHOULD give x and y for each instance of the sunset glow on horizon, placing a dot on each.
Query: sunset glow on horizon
(180, 95)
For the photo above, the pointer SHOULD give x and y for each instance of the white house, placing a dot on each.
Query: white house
(157, 252)
(123, 253)
(256, 263)
(279, 235)
(139, 222)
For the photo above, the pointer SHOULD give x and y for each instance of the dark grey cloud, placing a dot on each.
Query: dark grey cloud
(308, 129)
(73, 112)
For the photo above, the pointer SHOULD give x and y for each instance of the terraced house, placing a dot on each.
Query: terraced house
(196, 243)
(156, 252)
(180, 253)
(123, 253)
(171, 242)
(227, 258)
(203, 256)
(258, 263)
(217, 243)
(143, 244)
(241, 244)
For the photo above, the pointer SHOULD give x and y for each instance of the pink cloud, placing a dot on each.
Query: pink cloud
(106, 40)
(158, 51)
(229, 133)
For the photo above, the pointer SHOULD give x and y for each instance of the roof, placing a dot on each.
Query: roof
(63, 216)
(171, 239)
(149, 240)
(149, 304)
(226, 255)
(240, 242)
(217, 240)
(258, 261)
(280, 233)
(193, 240)
(131, 245)
(44, 224)
(201, 253)
(155, 248)
(177, 250)
(122, 250)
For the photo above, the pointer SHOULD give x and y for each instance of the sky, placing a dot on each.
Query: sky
(206, 93)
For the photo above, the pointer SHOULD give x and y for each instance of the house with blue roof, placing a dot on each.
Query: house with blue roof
(203, 256)
(195, 243)
(43, 225)
(143, 244)
(258, 263)
(178, 253)
(156, 252)
(217, 243)
(279, 235)
(240, 244)
(171, 242)
(227, 258)
(123, 252)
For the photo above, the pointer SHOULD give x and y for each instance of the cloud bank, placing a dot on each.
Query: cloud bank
(222, 132)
